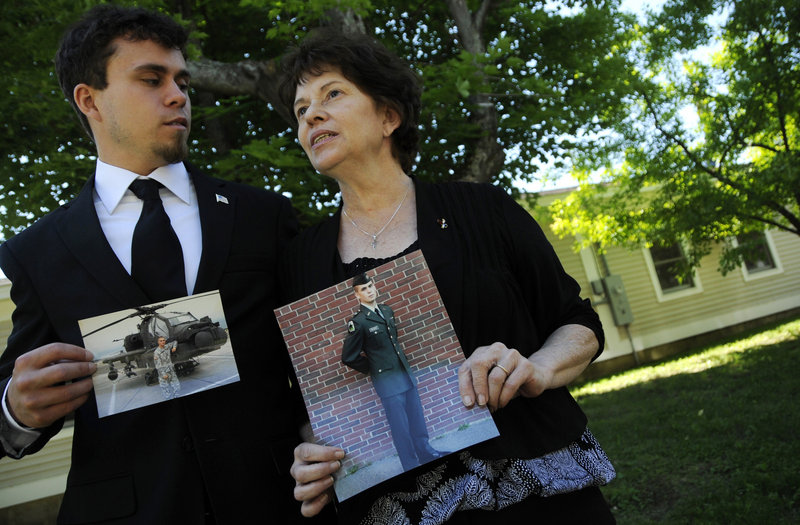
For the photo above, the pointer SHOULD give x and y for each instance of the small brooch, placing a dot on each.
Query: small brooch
(442, 223)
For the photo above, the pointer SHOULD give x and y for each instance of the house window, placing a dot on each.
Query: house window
(669, 264)
(758, 256)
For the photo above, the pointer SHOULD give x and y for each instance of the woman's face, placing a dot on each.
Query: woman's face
(339, 126)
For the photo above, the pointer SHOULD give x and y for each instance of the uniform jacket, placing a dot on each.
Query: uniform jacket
(148, 465)
(499, 279)
(371, 347)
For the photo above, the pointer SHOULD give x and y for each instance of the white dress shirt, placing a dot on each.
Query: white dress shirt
(118, 210)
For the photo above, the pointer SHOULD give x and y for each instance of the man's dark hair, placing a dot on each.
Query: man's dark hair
(360, 279)
(85, 48)
(368, 64)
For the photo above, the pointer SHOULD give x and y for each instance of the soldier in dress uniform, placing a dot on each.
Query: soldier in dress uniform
(371, 347)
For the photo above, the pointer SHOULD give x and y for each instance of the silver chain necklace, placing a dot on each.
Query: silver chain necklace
(375, 235)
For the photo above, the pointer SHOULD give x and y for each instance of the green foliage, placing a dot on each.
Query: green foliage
(736, 171)
(549, 70)
(40, 169)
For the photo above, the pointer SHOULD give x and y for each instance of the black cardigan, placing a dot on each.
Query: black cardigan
(499, 279)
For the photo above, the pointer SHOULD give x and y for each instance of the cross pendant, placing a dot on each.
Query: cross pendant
(374, 241)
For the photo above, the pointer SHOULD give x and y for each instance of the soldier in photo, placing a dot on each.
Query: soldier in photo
(371, 347)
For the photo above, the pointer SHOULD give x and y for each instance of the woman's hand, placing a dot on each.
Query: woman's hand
(493, 375)
(312, 470)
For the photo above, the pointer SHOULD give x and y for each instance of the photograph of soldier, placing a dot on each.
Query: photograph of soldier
(159, 352)
(167, 378)
(371, 347)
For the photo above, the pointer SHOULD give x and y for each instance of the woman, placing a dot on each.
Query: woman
(517, 314)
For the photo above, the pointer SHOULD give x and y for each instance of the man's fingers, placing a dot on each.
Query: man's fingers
(30, 379)
(46, 417)
(40, 408)
(52, 353)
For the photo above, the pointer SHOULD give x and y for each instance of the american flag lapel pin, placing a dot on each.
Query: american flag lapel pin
(222, 198)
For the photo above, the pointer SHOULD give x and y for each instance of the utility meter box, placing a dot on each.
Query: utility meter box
(617, 300)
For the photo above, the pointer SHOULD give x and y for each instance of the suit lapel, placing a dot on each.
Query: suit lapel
(217, 205)
(83, 236)
(81, 232)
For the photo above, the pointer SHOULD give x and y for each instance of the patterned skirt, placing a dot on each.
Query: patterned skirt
(467, 483)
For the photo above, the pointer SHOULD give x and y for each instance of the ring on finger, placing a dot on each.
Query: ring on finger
(501, 367)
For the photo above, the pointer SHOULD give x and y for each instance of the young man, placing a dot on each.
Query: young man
(217, 456)
(371, 347)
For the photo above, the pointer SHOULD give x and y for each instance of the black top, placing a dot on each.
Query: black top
(499, 279)
(365, 264)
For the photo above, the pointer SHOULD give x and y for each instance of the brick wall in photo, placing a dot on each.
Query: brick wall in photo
(344, 408)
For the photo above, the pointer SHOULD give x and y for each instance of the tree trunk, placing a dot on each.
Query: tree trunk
(486, 156)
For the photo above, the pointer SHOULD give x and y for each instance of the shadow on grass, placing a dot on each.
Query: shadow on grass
(715, 446)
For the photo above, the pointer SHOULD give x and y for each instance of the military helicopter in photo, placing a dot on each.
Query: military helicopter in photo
(194, 337)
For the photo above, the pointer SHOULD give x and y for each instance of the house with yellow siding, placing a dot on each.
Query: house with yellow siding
(647, 312)
(666, 314)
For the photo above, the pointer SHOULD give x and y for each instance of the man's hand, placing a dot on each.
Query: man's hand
(313, 469)
(36, 396)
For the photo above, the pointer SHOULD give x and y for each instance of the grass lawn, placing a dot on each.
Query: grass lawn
(709, 437)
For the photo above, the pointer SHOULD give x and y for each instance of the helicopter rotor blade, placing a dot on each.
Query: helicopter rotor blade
(147, 310)
(135, 314)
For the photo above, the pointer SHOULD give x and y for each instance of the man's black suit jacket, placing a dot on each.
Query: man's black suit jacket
(150, 465)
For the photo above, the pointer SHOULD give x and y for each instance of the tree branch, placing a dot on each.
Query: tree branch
(480, 16)
(258, 79)
(773, 149)
(775, 224)
(468, 31)
(717, 173)
(776, 81)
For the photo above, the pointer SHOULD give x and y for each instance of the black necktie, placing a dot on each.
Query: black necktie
(156, 255)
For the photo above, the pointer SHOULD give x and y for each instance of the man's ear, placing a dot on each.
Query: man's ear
(84, 96)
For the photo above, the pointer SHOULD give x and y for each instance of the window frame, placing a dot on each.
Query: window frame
(662, 295)
(777, 269)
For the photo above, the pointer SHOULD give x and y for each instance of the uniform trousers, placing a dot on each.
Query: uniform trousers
(407, 423)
